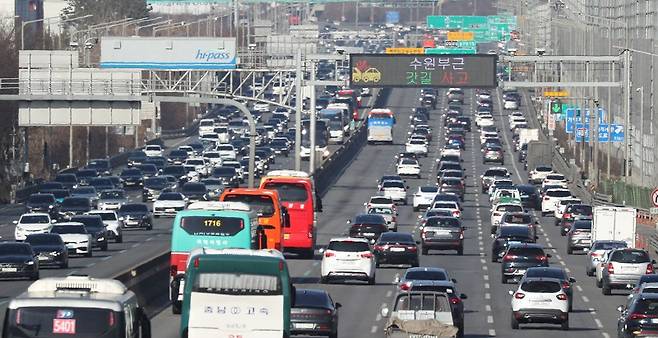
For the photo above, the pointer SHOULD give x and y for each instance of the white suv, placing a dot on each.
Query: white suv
(408, 167)
(538, 174)
(551, 198)
(34, 223)
(348, 258)
(153, 150)
(554, 179)
(540, 300)
(424, 196)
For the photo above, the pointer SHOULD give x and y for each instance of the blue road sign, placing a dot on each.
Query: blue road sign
(617, 133)
(582, 132)
(570, 120)
(392, 17)
(603, 133)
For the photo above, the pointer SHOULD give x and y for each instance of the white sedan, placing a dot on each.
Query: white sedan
(416, 146)
(424, 196)
(408, 167)
(168, 204)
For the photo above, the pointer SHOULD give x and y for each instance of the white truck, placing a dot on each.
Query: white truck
(614, 223)
(525, 136)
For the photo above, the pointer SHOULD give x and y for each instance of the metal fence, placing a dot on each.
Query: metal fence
(628, 194)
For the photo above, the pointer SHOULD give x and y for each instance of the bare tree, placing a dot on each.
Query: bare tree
(8, 110)
(107, 10)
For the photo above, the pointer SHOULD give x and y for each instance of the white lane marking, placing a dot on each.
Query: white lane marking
(486, 277)
(487, 296)
(507, 143)
(487, 286)
(122, 251)
(579, 288)
(481, 243)
(585, 299)
(106, 258)
(598, 323)
(492, 333)
(485, 268)
(149, 239)
(373, 329)
(487, 308)
(389, 293)
(134, 245)
(558, 257)
(605, 335)
(483, 261)
(490, 319)
(378, 318)
(567, 270)
(562, 262)
(90, 265)
(72, 273)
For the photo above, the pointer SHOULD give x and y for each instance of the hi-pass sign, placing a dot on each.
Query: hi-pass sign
(396, 70)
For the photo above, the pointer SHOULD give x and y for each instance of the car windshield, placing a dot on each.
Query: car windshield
(224, 171)
(348, 246)
(425, 275)
(541, 286)
(42, 239)
(443, 222)
(494, 173)
(289, 192)
(134, 208)
(11, 249)
(84, 191)
(581, 209)
(393, 184)
(630, 256)
(428, 189)
(380, 200)
(75, 202)
(113, 194)
(68, 229)
(196, 162)
(175, 170)
(509, 208)
(35, 219)
(170, 196)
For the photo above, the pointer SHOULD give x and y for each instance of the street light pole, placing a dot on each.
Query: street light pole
(641, 91)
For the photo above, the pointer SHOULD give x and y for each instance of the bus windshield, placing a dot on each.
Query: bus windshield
(289, 192)
(212, 225)
(258, 203)
(71, 322)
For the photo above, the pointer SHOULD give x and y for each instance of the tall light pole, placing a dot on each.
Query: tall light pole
(641, 91)
(155, 24)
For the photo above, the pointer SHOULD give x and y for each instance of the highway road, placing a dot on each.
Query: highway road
(487, 309)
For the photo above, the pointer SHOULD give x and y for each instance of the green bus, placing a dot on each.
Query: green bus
(237, 293)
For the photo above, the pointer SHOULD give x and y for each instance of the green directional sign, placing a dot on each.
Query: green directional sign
(556, 107)
(447, 51)
(485, 28)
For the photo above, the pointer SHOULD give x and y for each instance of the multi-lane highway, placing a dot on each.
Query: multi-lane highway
(487, 309)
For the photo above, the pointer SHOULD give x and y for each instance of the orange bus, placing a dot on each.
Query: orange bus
(297, 193)
(272, 215)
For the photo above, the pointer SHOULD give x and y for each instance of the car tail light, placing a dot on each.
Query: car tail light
(412, 248)
(329, 254)
(562, 296)
(455, 300)
(649, 269)
(366, 255)
(542, 258)
(611, 268)
(566, 216)
(461, 235)
(310, 234)
(380, 247)
(508, 258)
(635, 316)
(566, 285)
(519, 295)
(456, 213)
(173, 270)
(406, 286)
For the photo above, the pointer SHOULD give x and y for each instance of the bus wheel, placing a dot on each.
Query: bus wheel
(176, 307)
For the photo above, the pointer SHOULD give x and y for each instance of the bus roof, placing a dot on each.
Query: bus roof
(219, 206)
(238, 252)
(250, 191)
(288, 173)
(381, 111)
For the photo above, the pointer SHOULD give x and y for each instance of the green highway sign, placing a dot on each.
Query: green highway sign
(556, 107)
(446, 51)
(485, 28)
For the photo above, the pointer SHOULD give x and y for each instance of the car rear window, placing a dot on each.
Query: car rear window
(583, 225)
(443, 222)
(429, 189)
(518, 219)
(581, 209)
(425, 275)
(509, 208)
(647, 307)
(348, 246)
(548, 273)
(558, 193)
(523, 251)
(630, 256)
(541, 286)
(609, 245)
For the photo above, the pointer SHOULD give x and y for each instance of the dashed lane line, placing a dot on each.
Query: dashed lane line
(585, 299)
(598, 323)
(492, 333)
(373, 329)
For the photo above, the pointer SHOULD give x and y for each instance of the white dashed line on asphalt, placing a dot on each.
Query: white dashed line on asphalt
(585, 299)
(562, 263)
(490, 319)
(487, 286)
(373, 329)
(487, 296)
(389, 293)
(483, 261)
(134, 245)
(598, 323)
(106, 258)
(605, 335)
(122, 251)
(492, 333)
(486, 277)
(558, 257)
(485, 268)
(90, 265)
(487, 308)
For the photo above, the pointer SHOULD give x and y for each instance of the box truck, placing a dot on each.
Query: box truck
(614, 223)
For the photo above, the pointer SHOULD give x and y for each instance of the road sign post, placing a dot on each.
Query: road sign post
(654, 197)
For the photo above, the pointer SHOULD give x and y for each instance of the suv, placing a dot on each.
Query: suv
(579, 236)
(540, 300)
(442, 233)
(490, 175)
(41, 202)
(409, 308)
(368, 226)
(33, 223)
(519, 257)
(638, 316)
(624, 267)
(348, 258)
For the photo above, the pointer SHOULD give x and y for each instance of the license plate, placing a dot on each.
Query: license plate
(538, 301)
(397, 249)
(9, 269)
(286, 236)
(654, 321)
(169, 210)
(368, 234)
(304, 325)
(43, 258)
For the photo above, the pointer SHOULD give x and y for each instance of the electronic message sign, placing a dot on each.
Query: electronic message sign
(420, 70)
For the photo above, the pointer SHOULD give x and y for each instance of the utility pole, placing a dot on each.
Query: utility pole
(313, 122)
(627, 119)
(298, 110)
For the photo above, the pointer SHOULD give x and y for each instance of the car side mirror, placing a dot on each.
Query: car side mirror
(53, 221)
(349, 221)
(338, 306)
(572, 280)
(536, 238)
(453, 280)
(385, 312)
(511, 293)
(463, 296)
(14, 222)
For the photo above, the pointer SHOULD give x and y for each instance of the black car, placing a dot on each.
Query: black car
(557, 273)
(86, 175)
(465, 122)
(396, 248)
(638, 317)
(17, 261)
(147, 169)
(198, 148)
(95, 227)
(368, 226)
(102, 166)
(177, 171)
(507, 234)
(280, 146)
(314, 313)
(69, 181)
(136, 157)
(443, 166)
(194, 191)
(519, 257)
(153, 187)
(177, 156)
(228, 175)
(102, 183)
(75, 206)
(266, 153)
(158, 161)
(49, 249)
(448, 287)
(136, 215)
(48, 186)
(43, 203)
(131, 177)
(530, 198)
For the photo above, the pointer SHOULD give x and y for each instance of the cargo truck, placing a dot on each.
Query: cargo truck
(614, 223)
